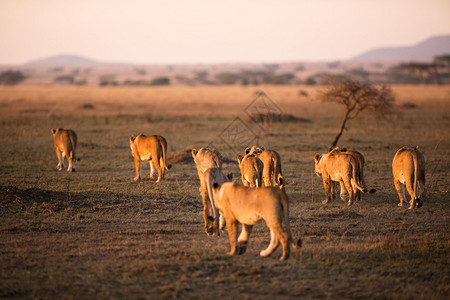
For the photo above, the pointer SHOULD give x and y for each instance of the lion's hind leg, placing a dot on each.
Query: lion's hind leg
(266, 177)
(70, 159)
(244, 181)
(222, 222)
(343, 192)
(350, 186)
(272, 246)
(285, 243)
(252, 181)
(158, 169)
(153, 172)
(411, 192)
(421, 188)
(243, 238)
(163, 168)
(60, 157)
(209, 224)
(400, 187)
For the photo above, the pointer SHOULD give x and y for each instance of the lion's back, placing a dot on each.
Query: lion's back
(65, 139)
(403, 163)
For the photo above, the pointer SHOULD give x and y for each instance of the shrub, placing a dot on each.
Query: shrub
(65, 79)
(226, 78)
(160, 81)
(11, 77)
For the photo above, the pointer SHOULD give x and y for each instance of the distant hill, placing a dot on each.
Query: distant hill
(425, 50)
(62, 60)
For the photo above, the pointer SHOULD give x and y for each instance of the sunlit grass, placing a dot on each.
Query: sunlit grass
(96, 233)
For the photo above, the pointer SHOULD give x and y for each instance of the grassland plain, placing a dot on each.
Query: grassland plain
(96, 233)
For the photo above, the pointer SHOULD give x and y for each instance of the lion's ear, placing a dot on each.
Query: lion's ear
(131, 138)
(317, 157)
(239, 158)
(282, 182)
(247, 150)
(262, 148)
(194, 153)
(53, 131)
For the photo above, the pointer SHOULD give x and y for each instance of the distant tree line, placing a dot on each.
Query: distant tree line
(157, 81)
(435, 72)
(11, 77)
(249, 77)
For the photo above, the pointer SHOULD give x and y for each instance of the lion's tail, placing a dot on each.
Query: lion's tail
(163, 162)
(276, 171)
(415, 171)
(209, 186)
(70, 144)
(285, 207)
(358, 184)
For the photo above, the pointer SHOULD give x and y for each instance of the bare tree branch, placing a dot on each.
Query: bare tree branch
(357, 97)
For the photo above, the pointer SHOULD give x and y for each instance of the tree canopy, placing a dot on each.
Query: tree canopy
(357, 96)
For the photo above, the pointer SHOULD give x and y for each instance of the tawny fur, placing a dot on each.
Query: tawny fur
(272, 164)
(65, 142)
(340, 167)
(359, 176)
(408, 168)
(248, 206)
(211, 175)
(149, 148)
(251, 168)
(208, 159)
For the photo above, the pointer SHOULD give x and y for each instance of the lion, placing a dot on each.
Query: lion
(211, 175)
(152, 148)
(360, 175)
(272, 164)
(408, 168)
(245, 205)
(342, 167)
(251, 170)
(65, 142)
(206, 159)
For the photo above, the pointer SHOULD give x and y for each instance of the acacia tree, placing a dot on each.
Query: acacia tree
(357, 97)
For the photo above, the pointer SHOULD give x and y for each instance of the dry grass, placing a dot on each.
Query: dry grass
(97, 234)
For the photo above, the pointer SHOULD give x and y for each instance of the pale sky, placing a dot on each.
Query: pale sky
(228, 31)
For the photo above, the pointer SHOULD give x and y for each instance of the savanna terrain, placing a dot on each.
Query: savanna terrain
(96, 233)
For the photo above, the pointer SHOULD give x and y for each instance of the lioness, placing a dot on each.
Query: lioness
(408, 168)
(360, 175)
(210, 176)
(239, 204)
(272, 164)
(206, 159)
(337, 166)
(65, 142)
(152, 148)
(251, 170)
